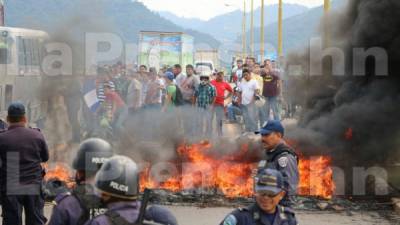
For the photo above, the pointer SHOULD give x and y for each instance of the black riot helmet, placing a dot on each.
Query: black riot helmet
(92, 153)
(119, 178)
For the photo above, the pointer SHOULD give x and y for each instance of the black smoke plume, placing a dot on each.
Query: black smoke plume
(355, 117)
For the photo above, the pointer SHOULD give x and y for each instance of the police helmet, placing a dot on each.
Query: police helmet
(119, 178)
(92, 153)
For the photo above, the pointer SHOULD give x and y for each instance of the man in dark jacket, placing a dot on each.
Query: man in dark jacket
(22, 150)
(280, 156)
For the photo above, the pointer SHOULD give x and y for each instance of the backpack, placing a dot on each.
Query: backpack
(178, 100)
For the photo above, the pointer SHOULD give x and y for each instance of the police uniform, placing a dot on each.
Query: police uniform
(253, 215)
(82, 204)
(22, 152)
(76, 207)
(268, 181)
(126, 213)
(284, 159)
(118, 178)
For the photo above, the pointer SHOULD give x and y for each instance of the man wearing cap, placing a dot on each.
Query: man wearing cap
(269, 189)
(22, 150)
(280, 156)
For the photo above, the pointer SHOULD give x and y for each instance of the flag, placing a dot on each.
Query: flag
(90, 95)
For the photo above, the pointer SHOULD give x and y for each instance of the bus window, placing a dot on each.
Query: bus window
(28, 51)
(5, 53)
(35, 52)
(21, 52)
(8, 95)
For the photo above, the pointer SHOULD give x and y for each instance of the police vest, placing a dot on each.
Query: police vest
(285, 215)
(90, 204)
(271, 157)
(272, 162)
(115, 219)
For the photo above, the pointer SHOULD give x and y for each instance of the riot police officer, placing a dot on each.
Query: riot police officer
(269, 189)
(281, 157)
(78, 207)
(23, 150)
(118, 184)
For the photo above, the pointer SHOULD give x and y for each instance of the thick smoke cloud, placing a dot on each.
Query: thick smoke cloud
(153, 136)
(366, 105)
(62, 93)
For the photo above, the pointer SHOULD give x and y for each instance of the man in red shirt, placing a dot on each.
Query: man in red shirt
(119, 110)
(219, 107)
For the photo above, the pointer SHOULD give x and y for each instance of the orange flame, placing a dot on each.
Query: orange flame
(230, 174)
(59, 172)
(232, 177)
(316, 177)
(200, 170)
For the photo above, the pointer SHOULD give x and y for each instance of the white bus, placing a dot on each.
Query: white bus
(21, 54)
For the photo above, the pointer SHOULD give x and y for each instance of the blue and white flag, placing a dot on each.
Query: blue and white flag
(90, 95)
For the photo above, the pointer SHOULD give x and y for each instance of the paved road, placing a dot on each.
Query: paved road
(213, 216)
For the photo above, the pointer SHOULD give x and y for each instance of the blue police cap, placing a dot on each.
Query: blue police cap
(272, 126)
(16, 109)
(269, 180)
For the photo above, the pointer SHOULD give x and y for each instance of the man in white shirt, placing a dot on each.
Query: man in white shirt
(249, 89)
(188, 86)
(134, 95)
(179, 76)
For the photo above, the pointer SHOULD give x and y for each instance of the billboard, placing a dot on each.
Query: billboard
(162, 48)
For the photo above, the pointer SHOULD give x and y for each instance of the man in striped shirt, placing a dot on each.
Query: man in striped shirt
(104, 79)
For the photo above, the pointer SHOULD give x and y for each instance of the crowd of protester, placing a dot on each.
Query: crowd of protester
(250, 97)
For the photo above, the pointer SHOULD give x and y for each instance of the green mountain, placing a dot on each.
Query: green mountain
(190, 23)
(226, 27)
(124, 17)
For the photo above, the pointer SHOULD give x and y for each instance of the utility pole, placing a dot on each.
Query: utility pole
(280, 41)
(252, 29)
(327, 7)
(262, 51)
(244, 30)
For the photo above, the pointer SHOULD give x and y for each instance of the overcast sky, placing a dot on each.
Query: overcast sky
(206, 9)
